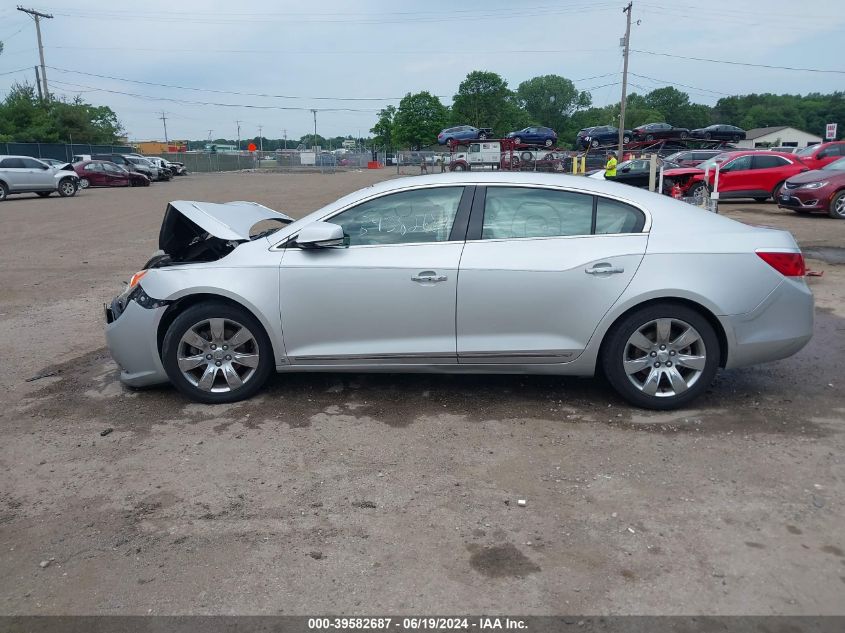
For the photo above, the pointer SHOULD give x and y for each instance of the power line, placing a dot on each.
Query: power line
(19, 70)
(733, 63)
(675, 83)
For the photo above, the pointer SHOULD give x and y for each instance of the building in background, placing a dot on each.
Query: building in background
(778, 136)
(158, 147)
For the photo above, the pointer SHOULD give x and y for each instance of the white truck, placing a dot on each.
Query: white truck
(503, 154)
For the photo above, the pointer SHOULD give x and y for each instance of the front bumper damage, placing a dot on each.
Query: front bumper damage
(132, 337)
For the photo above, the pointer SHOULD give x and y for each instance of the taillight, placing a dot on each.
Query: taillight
(787, 264)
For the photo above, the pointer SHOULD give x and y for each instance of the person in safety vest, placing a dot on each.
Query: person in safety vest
(610, 167)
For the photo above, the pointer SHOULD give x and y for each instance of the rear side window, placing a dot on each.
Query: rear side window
(614, 217)
(767, 162)
(12, 163)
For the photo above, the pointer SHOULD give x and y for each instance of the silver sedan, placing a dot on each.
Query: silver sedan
(493, 272)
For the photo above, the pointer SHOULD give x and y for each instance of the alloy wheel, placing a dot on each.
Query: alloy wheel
(83, 183)
(218, 355)
(664, 357)
(67, 188)
(839, 205)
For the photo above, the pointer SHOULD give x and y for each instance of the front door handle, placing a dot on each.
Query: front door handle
(428, 276)
(604, 269)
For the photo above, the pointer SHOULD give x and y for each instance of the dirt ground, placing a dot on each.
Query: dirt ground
(338, 494)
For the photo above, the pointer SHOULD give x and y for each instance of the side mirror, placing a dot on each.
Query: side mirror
(625, 169)
(45, 167)
(322, 235)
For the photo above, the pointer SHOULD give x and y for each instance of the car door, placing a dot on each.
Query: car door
(389, 296)
(540, 268)
(93, 172)
(40, 174)
(768, 172)
(114, 176)
(734, 176)
(635, 173)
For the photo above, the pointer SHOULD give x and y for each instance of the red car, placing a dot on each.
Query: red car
(102, 173)
(818, 190)
(817, 156)
(742, 174)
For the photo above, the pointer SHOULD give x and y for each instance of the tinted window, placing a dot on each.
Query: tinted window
(93, 167)
(512, 212)
(12, 163)
(767, 162)
(741, 163)
(31, 163)
(617, 217)
(424, 215)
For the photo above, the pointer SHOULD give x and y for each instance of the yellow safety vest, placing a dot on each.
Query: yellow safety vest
(610, 168)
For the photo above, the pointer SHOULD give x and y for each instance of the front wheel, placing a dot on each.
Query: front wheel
(482, 136)
(4, 192)
(837, 206)
(649, 137)
(626, 139)
(594, 143)
(661, 356)
(67, 188)
(698, 192)
(458, 167)
(517, 140)
(707, 136)
(776, 191)
(684, 135)
(215, 352)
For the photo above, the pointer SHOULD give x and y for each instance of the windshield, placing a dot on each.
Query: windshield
(838, 165)
(808, 151)
(711, 164)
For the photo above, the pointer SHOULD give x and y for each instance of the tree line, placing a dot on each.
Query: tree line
(484, 99)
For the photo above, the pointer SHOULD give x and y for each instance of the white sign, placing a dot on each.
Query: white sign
(830, 133)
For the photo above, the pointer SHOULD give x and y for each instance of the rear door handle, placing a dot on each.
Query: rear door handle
(604, 269)
(428, 276)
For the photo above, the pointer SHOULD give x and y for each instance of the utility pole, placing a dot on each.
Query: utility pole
(163, 118)
(37, 15)
(260, 139)
(38, 83)
(314, 112)
(285, 134)
(625, 50)
(238, 123)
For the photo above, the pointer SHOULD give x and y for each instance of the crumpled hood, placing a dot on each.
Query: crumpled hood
(227, 221)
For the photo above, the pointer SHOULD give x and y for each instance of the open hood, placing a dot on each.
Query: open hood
(208, 231)
(228, 221)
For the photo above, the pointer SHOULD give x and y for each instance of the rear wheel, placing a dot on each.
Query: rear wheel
(735, 139)
(4, 192)
(549, 142)
(837, 206)
(684, 134)
(84, 183)
(626, 139)
(482, 136)
(67, 188)
(760, 199)
(215, 352)
(661, 356)
(707, 136)
(649, 137)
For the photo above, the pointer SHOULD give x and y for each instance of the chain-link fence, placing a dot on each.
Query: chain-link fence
(293, 161)
(412, 163)
(60, 151)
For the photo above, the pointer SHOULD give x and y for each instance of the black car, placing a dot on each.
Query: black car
(601, 135)
(636, 172)
(653, 131)
(719, 132)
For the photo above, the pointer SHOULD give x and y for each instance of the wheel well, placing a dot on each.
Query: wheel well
(182, 304)
(711, 319)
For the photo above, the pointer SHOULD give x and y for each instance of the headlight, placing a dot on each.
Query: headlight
(814, 185)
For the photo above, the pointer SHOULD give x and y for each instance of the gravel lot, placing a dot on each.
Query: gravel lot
(387, 493)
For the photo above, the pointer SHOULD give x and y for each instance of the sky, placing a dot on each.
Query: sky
(349, 59)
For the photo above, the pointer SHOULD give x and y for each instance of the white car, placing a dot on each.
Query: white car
(24, 174)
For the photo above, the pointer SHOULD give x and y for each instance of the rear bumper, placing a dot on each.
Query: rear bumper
(777, 328)
(132, 339)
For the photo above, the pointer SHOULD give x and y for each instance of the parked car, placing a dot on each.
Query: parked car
(130, 163)
(742, 174)
(719, 132)
(177, 167)
(654, 131)
(535, 136)
(102, 173)
(164, 171)
(817, 190)
(24, 174)
(636, 172)
(601, 135)
(817, 156)
(693, 157)
(463, 133)
(408, 276)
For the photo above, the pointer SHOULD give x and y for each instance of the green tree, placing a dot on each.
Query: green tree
(418, 120)
(484, 100)
(551, 100)
(383, 129)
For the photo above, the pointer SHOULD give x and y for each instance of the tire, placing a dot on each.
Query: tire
(661, 383)
(4, 191)
(449, 141)
(707, 136)
(67, 188)
(776, 191)
(736, 139)
(594, 143)
(698, 189)
(482, 136)
(44, 194)
(649, 137)
(225, 373)
(458, 167)
(517, 140)
(84, 183)
(526, 156)
(548, 142)
(626, 139)
(760, 199)
(684, 135)
(837, 206)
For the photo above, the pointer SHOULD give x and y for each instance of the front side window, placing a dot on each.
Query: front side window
(422, 215)
(31, 163)
(514, 212)
(740, 164)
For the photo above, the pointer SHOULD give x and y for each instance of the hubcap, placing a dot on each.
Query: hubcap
(83, 183)
(218, 355)
(839, 206)
(68, 188)
(664, 357)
